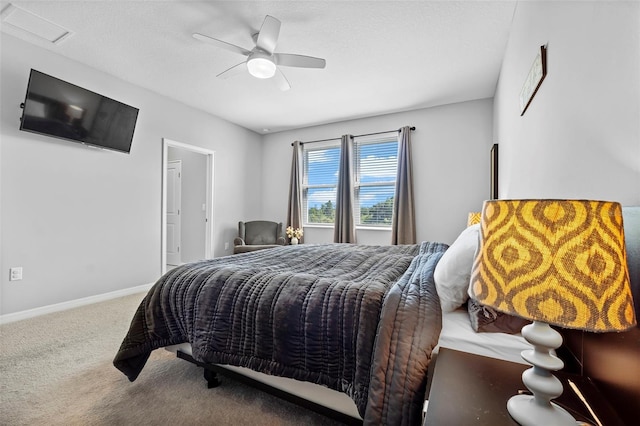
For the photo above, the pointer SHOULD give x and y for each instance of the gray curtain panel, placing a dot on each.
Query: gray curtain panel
(345, 230)
(403, 226)
(294, 211)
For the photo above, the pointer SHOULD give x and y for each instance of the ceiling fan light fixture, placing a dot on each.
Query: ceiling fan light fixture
(261, 65)
(262, 61)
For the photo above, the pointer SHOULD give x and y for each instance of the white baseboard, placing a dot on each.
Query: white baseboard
(31, 313)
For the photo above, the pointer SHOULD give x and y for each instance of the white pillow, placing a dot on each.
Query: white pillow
(453, 271)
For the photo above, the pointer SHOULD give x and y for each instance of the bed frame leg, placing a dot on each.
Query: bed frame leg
(209, 374)
(212, 379)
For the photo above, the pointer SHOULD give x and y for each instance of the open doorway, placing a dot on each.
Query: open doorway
(187, 203)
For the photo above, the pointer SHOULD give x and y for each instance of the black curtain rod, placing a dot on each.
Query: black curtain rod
(355, 136)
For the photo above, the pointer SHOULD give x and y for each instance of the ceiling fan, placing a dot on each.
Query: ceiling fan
(262, 61)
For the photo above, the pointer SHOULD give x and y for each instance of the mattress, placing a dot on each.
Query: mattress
(457, 334)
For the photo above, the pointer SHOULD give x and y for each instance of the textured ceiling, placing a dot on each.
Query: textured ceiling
(382, 56)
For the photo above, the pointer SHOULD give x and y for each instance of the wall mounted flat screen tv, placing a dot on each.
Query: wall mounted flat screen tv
(63, 110)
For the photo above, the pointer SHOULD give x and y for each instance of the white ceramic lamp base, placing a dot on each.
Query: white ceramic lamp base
(527, 412)
(537, 409)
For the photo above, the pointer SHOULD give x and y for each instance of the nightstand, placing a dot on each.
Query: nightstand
(469, 389)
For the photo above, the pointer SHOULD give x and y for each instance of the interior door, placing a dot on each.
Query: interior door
(174, 201)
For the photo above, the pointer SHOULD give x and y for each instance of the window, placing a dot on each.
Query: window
(375, 163)
(320, 184)
(375, 168)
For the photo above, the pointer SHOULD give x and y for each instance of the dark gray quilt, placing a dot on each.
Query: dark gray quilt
(362, 320)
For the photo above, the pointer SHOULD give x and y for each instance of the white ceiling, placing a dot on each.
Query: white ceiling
(382, 56)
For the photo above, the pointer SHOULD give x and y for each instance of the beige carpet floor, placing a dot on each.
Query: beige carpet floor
(57, 369)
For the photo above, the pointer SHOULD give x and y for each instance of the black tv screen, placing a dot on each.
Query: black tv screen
(63, 110)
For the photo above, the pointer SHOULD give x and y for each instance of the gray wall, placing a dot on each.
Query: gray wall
(84, 222)
(450, 147)
(580, 137)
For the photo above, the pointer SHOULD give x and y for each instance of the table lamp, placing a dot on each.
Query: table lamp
(558, 262)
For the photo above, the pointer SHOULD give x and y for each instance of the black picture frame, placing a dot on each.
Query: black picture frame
(494, 172)
(536, 75)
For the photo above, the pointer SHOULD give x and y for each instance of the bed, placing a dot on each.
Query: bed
(360, 320)
(399, 304)
(375, 371)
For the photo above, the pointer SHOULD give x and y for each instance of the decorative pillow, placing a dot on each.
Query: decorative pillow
(453, 271)
(486, 319)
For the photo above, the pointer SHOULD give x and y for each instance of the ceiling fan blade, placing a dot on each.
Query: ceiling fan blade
(281, 81)
(234, 70)
(301, 61)
(268, 35)
(222, 44)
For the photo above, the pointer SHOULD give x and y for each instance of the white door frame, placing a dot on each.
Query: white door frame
(209, 243)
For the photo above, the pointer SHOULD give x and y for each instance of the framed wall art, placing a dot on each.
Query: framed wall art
(494, 172)
(532, 83)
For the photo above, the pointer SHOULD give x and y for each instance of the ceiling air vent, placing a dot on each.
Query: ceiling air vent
(33, 24)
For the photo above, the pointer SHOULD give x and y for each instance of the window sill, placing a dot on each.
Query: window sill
(358, 227)
(372, 228)
(319, 226)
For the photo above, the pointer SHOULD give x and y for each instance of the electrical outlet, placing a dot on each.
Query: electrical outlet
(15, 273)
(226, 246)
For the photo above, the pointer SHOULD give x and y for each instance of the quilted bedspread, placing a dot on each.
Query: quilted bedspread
(362, 320)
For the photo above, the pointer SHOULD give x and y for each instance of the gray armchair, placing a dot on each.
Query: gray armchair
(258, 235)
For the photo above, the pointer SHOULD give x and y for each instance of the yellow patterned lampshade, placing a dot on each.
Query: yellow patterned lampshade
(474, 217)
(562, 262)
